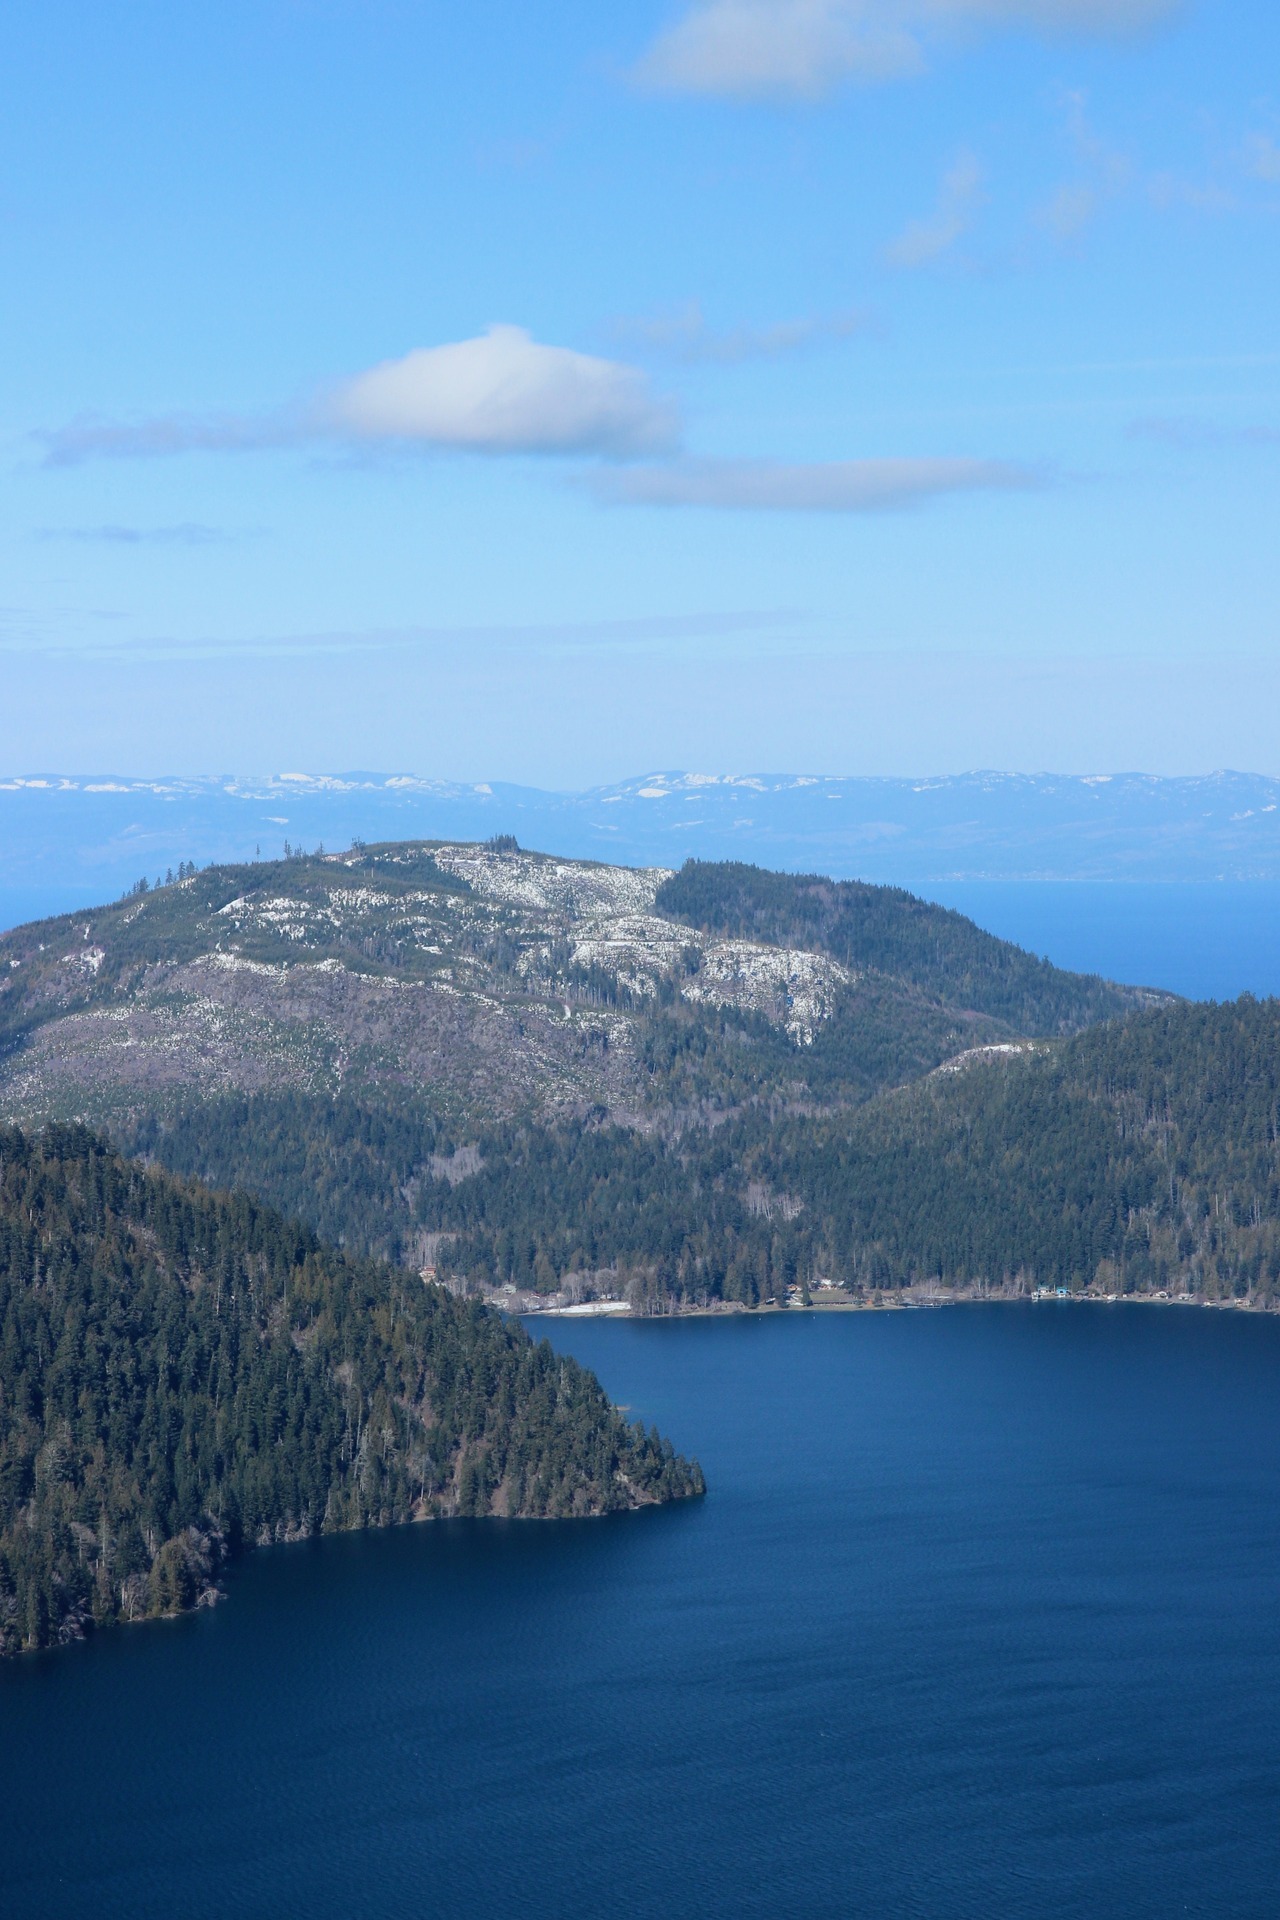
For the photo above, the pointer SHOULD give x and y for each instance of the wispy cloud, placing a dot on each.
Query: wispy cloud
(92, 436)
(1190, 434)
(923, 241)
(1068, 211)
(502, 392)
(684, 334)
(1103, 172)
(1262, 157)
(802, 49)
(796, 48)
(465, 642)
(186, 533)
(1095, 17)
(824, 486)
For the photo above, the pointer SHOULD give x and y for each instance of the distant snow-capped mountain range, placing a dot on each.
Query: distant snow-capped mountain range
(99, 833)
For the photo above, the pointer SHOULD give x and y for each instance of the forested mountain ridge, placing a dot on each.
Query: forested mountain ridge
(557, 1077)
(184, 1372)
(480, 985)
(936, 950)
(1140, 1156)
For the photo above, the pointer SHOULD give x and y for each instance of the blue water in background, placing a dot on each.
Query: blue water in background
(1207, 940)
(20, 904)
(1210, 940)
(978, 1621)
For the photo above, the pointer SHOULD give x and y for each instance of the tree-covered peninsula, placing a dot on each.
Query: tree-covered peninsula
(185, 1373)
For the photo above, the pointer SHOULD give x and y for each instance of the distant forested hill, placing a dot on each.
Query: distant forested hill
(719, 1084)
(1139, 1156)
(182, 1373)
(471, 986)
(895, 934)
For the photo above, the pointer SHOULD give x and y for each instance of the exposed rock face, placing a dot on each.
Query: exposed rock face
(513, 983)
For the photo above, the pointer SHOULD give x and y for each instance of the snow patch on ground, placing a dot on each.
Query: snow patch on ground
(575, 887)
(972, 1054)
(794, 988)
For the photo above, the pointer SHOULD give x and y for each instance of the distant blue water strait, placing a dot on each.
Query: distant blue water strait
(1207, 940)
(979, 1621)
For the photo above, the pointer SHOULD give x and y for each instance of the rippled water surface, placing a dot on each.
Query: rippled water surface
(981, 1617)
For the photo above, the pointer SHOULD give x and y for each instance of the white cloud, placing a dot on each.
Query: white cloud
(958, 200)
(803, 48)
(781, 47)
(683, 332)
(502, 392)
(824, 486)
(505, 393)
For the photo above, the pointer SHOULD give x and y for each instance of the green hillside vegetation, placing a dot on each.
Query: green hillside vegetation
(1142, 1156)
(1139, 1156)
(184, 1373)
(890, 931)
(174, 923)
(465, 987)
(717, 1088)
(354, 1172)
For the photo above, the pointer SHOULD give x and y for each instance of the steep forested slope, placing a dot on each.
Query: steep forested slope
(184, 1372)
(1141, 1155)
(890, 931)
(557, 1075)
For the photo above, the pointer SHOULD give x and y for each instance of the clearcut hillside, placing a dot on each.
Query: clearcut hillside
(484, 984)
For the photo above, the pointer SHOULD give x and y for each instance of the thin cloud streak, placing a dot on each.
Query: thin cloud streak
(1189, 435)
(1107, 18)
(187, 533)
(683, 333)
(466, 641)
(94, 437)
(830, 486)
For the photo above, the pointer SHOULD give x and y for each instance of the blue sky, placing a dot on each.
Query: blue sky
(872, 385)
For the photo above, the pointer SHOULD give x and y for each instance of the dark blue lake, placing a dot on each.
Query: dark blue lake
(981, 1618)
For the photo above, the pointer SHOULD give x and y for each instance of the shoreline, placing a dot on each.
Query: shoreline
(620, 1310)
